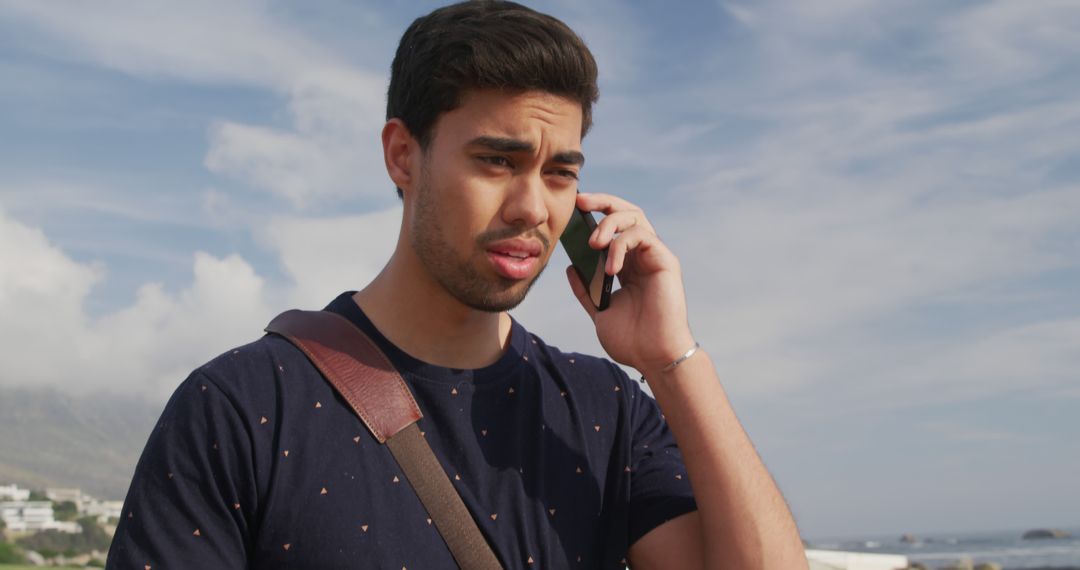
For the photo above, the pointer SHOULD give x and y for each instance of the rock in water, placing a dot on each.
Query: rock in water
(908, 538)
(1043, 533)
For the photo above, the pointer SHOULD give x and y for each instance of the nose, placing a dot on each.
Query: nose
(525, 204)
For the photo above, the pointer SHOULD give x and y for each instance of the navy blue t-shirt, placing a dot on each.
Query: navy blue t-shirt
(257, 463)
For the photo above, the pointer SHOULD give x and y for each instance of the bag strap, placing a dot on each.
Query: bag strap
(368, 381)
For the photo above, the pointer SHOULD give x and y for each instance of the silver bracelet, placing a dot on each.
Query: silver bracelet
(682, 358)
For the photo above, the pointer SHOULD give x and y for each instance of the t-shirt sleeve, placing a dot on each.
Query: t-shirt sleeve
(659, 487)
(193, 492)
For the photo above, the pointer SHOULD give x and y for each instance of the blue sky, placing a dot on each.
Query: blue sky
(875, 203)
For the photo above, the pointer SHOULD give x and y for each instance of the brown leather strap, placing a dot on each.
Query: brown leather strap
(364, 376)
(357, 368)
(427, 477)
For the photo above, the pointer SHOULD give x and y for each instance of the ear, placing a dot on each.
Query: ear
(400, 152)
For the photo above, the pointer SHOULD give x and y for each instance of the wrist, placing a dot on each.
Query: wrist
(693, 350)
(673, 358)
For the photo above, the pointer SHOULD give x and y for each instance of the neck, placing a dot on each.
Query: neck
(416, 314)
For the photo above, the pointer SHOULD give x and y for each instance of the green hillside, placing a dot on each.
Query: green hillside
(55, 440)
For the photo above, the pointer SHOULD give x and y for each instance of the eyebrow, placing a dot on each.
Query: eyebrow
(502, 144)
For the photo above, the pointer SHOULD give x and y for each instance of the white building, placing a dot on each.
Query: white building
(837, 560)
(61, 495)
(33, 516)
(13, 493)
(103, 510)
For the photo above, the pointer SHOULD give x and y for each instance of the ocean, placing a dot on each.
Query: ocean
(1006, 548)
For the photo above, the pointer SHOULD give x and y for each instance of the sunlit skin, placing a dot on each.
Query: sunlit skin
(502, 166)
(506, 175)
(499, 176)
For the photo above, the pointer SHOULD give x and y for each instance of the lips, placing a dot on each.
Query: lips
(515, 259)
(519, 248)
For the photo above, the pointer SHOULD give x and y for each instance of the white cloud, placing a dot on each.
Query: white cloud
(332, 148)
(285, 163)
(147, 347)
(41, 292)
(151, 344)
(326, 256)
(1036, 357)
(201, 40)
(741, 13)
(332, 152)
(873, 202)
(1003, 41)
(875, 171)
(162, 336)
(863, 191)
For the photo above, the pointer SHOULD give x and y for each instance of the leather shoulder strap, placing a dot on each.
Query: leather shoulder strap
(356, 367)
(368, 381)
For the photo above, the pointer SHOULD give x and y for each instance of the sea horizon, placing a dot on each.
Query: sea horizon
(1006, 547)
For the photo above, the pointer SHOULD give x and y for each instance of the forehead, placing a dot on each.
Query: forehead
(533, 116)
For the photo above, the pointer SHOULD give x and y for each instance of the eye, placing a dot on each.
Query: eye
(496, 160)
(564, 173)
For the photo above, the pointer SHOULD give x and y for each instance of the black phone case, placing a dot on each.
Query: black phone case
(605, 292)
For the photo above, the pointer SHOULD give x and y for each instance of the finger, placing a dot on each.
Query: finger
(580, 291)
(623, 245)
(617, 223)
(604, 203)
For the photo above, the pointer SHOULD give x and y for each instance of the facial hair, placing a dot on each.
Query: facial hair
(457, 272)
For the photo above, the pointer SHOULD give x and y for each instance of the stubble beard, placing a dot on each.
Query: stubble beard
(459, 275)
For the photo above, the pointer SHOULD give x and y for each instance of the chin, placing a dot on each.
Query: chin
(496, 299)
(496, 303)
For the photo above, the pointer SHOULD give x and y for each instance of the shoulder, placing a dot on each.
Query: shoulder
(255, 372)
(584, 371)
(252, 358)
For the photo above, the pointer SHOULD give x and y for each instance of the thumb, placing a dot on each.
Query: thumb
(580, 291)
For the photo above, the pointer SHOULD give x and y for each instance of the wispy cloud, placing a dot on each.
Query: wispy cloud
(330, 148)
(849, 183)
(237, 43)
(874, 202)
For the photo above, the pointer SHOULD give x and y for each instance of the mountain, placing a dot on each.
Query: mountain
(51, 439)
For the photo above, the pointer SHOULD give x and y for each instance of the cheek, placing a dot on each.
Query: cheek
(560, 214)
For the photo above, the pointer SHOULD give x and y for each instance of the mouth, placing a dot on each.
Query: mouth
(515, 259)
(510, 253)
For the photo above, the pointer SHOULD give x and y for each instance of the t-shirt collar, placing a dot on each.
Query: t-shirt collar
(345, 306)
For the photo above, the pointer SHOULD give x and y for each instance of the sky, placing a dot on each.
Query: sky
(876, 205)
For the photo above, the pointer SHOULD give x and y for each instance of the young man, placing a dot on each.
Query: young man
(560, 458)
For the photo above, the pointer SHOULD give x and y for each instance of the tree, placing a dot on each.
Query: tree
(11, 554)
(65, 511)
(91, 538)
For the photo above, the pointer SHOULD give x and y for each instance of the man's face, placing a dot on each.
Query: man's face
(497, 185)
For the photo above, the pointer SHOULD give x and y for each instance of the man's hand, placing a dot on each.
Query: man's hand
(742, 520)
(646, 324)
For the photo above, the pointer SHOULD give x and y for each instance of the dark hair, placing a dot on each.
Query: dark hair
(485, 44)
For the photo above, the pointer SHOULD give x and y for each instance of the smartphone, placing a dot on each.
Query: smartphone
(588, 262)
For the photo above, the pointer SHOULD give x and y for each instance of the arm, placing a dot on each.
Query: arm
(741, 514)
(193, 491)
(742, 521)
